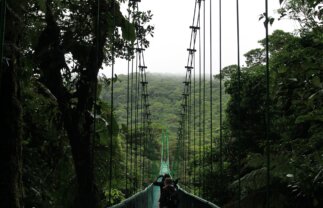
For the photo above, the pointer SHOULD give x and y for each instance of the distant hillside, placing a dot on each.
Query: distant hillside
(165, 92)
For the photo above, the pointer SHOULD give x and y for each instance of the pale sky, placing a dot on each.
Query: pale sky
(167, 52)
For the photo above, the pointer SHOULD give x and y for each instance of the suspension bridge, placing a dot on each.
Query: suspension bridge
(150, 195)
(193, 129)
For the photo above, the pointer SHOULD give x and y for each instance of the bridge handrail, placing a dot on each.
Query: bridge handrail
(145, 199)
(133, 198)
(187, 200)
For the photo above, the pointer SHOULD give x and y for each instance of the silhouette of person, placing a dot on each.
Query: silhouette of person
(168, 197)
(161, 183)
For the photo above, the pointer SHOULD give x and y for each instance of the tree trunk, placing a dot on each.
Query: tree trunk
(77, 120)
(10, 119)
(79, 134)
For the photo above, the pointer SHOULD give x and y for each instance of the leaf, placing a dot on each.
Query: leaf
(316, 82)
(311, 97)
(293, 79)
(128, 31)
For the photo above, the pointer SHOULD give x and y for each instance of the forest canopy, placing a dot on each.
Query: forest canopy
(64, 144)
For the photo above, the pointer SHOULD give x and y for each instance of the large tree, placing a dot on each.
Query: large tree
(78, 37)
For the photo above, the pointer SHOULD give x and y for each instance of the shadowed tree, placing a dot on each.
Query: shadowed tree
(70, 51)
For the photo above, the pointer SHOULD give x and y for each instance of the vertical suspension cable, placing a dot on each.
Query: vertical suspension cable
(136, 122)
(189, 122)
(127, 134)
(142, 130)
(128, 99)
(137, 127)
(139, 114)
(267, 110)
(141, 133)
(239, 97)
(220, 67)
(112, 104)
(144, 155)
(194, 123)
(163, 147)
(200, 112)
(132, 106)
(204, 92)
(211, 93)
(185, 139)
(131, 124)
(167, 147)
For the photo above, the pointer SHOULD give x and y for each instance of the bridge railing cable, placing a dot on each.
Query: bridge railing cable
(188, 200)
(143, 199)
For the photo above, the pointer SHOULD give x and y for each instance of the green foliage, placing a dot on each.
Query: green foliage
(116, 196)
(163, 91)
(62, 40)
(296, 124)
(308, 13)
(49, 177)
(48, 167)
(164, 97)
(296, 112)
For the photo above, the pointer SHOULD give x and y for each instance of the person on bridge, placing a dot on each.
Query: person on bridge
(169, 196)
(168, 191)
(161, 182)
